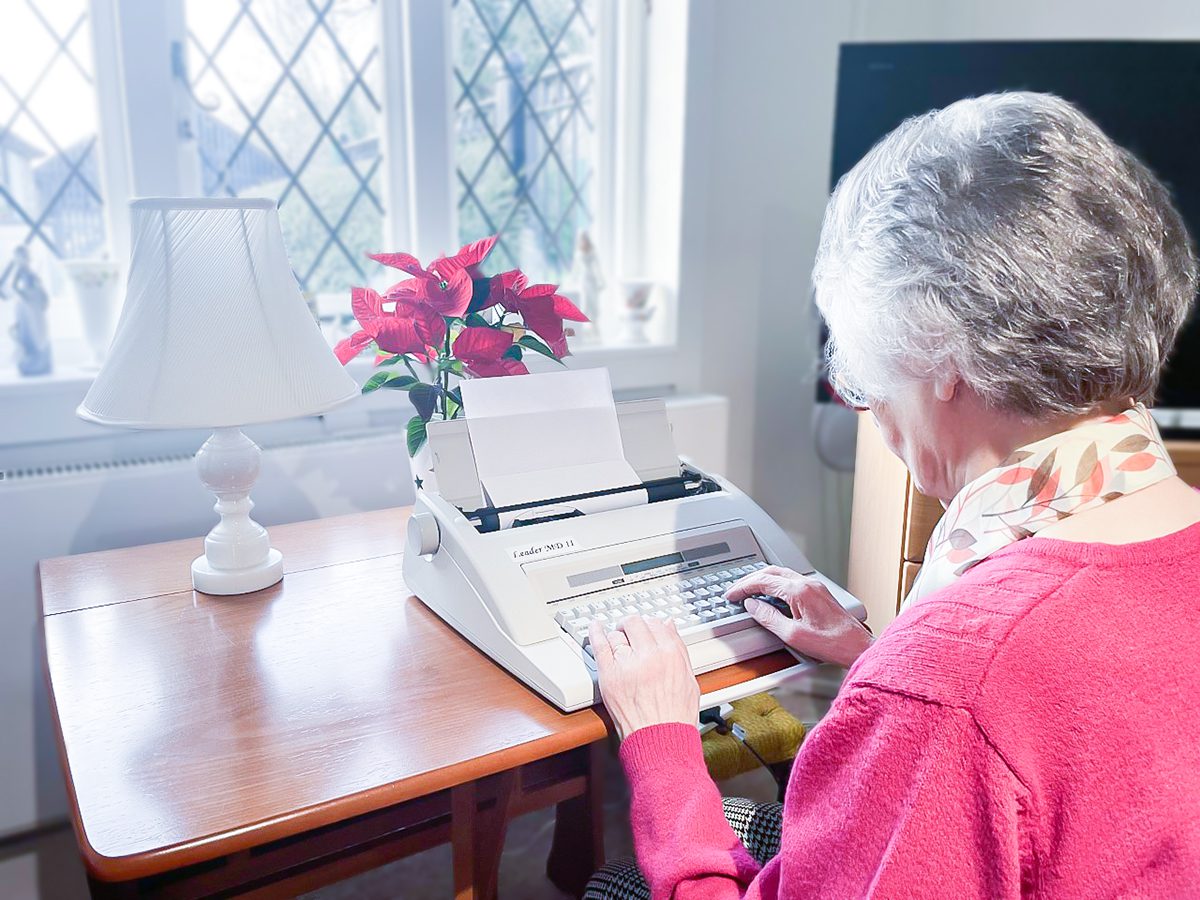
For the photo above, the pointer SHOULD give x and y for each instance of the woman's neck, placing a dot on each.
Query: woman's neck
(999, 434)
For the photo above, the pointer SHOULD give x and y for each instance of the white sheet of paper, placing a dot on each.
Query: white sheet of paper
(538, 437)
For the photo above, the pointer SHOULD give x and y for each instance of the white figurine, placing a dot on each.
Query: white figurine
(30, 330)
(586, 279)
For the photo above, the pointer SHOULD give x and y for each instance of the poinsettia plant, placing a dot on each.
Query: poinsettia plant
(450, 321)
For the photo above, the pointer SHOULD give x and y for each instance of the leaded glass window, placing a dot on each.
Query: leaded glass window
(50, 198)
(525, 127)
(288, 105)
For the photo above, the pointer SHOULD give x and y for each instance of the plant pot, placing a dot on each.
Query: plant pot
(97, 283)
(422, 469)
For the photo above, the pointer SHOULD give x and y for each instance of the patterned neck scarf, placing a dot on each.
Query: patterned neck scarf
(1040, 484)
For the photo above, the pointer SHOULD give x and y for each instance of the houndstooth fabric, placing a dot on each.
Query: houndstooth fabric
(759, 826)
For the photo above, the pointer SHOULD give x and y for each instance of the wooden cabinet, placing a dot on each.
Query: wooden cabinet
(891, 522)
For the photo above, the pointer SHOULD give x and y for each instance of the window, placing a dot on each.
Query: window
(287, 105)
(525, 128)
(50, 196)
(336, 108)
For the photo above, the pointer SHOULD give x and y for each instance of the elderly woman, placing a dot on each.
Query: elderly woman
(1003, 285)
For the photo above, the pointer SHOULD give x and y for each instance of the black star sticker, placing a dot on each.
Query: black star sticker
(418, 482)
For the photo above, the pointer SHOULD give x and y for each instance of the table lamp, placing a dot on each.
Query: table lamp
(214, 334)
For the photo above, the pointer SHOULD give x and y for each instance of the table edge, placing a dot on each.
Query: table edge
(595, 727)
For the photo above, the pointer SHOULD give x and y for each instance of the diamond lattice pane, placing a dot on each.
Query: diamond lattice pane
(50, 197)
(289, 107)
(525, 135)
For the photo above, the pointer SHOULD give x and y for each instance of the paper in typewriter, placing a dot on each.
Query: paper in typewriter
(541, 437)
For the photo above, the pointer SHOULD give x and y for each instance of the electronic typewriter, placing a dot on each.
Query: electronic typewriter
(523, 582)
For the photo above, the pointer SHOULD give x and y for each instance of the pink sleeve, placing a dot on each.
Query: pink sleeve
(685, 848)
(890, 796)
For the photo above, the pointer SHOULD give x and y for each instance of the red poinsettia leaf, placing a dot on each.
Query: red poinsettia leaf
(514, 280)
(475, 344)
(408, 289)
(430, 326)
(565, 309)
(398, 335)
(349, 348)
(471, 254)
(539, 290)
(451, 294)
(365, 304)
(539, 317)
(1015, 475)
(494, 368)
(405, 262)
(1139, 462)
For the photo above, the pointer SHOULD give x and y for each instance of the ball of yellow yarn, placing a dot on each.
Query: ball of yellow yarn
(770, 729)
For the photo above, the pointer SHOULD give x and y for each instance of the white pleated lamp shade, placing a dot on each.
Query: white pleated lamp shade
(214, 332)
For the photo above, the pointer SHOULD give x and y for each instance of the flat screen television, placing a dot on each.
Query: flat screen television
(1144, 94)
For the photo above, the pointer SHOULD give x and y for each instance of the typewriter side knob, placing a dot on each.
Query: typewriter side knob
(424, 536)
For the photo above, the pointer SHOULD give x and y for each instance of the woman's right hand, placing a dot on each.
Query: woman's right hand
(820, 627)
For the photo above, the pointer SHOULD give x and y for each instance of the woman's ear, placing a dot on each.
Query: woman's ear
(946, 386)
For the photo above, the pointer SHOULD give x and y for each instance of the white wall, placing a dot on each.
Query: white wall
(758, 137)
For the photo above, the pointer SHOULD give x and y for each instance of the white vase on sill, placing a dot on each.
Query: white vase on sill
(97, 285)
(421, 466)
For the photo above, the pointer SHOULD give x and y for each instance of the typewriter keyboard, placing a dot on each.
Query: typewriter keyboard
(696, 603)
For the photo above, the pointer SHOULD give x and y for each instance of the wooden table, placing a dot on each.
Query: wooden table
(271, 743)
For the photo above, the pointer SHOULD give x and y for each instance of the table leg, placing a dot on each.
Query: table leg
(462, 839)
(577, 849)
(477, 837)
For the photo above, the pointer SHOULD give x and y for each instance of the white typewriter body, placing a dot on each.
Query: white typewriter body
(523, 590)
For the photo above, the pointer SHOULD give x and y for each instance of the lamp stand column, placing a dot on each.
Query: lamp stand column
(238, 557)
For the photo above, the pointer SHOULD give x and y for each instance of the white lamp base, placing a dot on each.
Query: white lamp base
(238, 557)
(208, 580)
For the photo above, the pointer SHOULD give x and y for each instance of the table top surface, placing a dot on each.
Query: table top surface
(193, 726)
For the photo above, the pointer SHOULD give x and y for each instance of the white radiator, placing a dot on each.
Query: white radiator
(82, 507)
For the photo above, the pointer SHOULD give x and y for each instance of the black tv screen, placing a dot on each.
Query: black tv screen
(1144, 94)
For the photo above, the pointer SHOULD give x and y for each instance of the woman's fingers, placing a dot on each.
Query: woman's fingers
(780, 571)
(771, 619)
(759, 583)
(601, 648)
(638, 632)
(675, 641)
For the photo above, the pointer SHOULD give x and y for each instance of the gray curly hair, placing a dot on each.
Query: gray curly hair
(1007, 240)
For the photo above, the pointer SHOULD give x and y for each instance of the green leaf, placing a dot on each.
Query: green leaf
(513, 352)
(452, 407)
(390, 362)
(529, 342)
(379, 379)
(415, 434)
(403, 383)
(475, 320)
(424, 399)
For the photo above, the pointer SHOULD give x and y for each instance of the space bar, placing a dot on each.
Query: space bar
(693, 634)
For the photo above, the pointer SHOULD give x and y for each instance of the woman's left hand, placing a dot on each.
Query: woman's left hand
(645, 674)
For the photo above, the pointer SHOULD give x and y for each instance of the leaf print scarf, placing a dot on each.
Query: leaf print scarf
(1039, 484)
